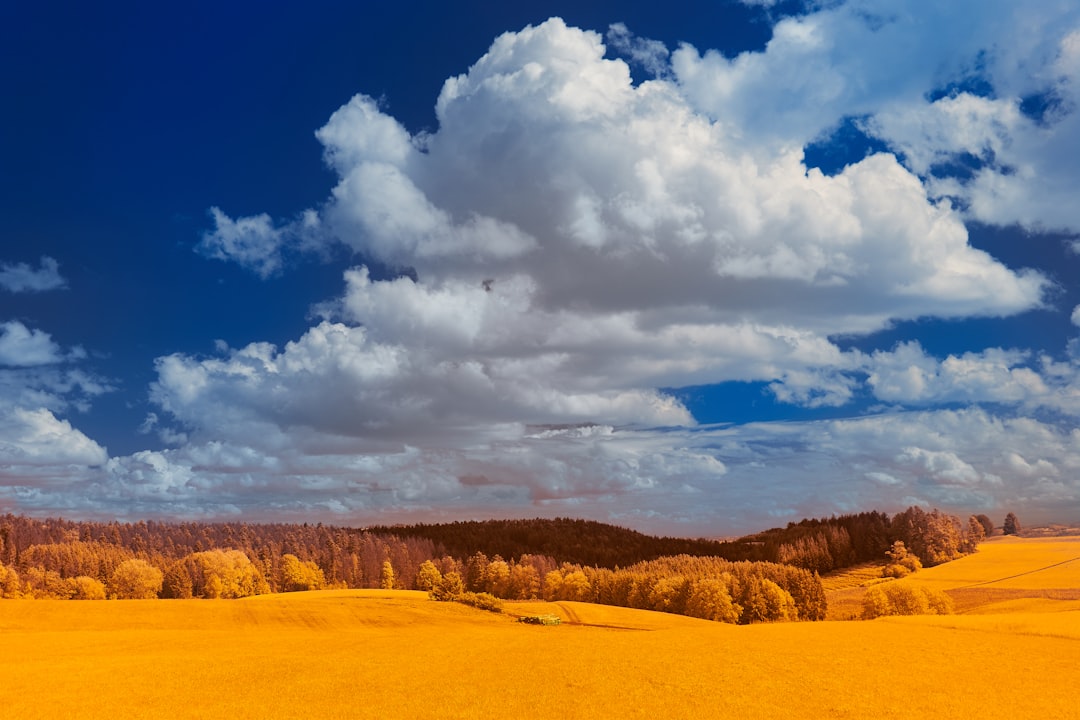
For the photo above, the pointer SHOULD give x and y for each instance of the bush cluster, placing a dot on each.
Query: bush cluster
(903, 599)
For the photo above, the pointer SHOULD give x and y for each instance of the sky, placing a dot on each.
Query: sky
(692, 268)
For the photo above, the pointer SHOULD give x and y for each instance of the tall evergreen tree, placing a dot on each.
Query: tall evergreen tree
(1012, 525)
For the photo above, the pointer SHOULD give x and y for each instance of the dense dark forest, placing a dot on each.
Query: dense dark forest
(772, 575)
(584, 542)
(819, 545)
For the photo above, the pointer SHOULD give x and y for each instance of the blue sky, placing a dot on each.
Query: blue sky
(692, 268)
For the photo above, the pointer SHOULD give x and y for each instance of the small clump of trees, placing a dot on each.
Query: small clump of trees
(904, 599)
(902, 562)
(705, 587)
(451, 588)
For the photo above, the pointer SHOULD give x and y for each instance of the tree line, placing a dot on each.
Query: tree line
(762, 577)
(47, 558)
(583, 542)
(817, 544)
(706, 587)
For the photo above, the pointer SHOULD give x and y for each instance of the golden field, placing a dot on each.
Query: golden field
(1015, 649)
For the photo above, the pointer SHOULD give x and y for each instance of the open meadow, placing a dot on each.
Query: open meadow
(1014, 648)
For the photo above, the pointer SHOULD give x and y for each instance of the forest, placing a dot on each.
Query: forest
(768, 576)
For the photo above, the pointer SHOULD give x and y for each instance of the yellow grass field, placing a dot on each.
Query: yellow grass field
(396, 654)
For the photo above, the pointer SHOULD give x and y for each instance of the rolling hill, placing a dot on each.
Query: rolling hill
(396, 654)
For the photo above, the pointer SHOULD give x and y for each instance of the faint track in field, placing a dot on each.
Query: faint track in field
(1029, 572)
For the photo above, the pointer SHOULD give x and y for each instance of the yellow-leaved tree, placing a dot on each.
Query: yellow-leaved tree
(84, 587)
(709, 599)
(902, 599)
(300, 575)
(135, 580)
(428, 576)
(386, 581)
(10, 586)
(224, 574)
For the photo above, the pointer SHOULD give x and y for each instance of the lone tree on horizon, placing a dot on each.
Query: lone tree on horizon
(1012, 525)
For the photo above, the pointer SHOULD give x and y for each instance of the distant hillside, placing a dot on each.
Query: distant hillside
(819, 545)
(580, 542)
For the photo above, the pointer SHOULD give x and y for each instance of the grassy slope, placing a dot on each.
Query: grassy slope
(1008, 574)
(386, 654)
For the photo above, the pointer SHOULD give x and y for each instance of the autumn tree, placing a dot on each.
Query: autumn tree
(669, 594)
(224, 574)
(476, 572)
(496, 579)
(1011, 525)
(709, 599)
(7, 548)
(975, 534)
(428, 576)
(297, 575)
(86, 588)
(902, 599)
(552, 584)
(39, 583)
(177, 583)
(524, 581)
(10, 586)
(902, 562)
(386, 578)
(135, 580)
(575, 586)
(762, 600)
(987, 524)
(449, 587)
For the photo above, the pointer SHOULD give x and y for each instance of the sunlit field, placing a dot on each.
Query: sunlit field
(395, 654)
(1008, 574)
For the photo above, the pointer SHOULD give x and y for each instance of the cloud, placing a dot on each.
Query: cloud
(574, 241)
(652, 55)
(549, 163)
(43, 458)
(340, 381)
(908, 375)
(41, 455)
(22, 347)
(34, 437)
(689, 481)
(255, 243)
(20, 277)
(978, 98)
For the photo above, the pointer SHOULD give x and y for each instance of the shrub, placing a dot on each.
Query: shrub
(901, 599)
(483, 601)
